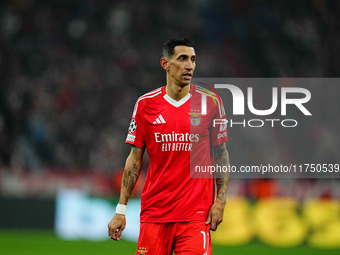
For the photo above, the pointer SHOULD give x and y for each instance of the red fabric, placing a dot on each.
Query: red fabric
(177, 136)
(184, 238)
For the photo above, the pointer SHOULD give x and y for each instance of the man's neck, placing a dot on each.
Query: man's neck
(177, 92)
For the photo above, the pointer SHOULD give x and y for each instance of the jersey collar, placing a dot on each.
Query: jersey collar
(180, 102)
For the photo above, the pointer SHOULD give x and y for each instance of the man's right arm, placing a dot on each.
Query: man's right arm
(133, 166)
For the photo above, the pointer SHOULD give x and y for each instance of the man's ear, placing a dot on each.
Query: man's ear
(164, 64)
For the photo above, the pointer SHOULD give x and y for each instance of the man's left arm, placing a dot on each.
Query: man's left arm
(215, 215)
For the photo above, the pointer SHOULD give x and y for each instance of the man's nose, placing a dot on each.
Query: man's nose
(190, 65)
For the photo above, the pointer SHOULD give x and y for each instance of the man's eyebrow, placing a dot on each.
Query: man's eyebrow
(186, 55)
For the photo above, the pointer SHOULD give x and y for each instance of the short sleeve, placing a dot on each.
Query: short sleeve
(136, 132)
(219, 133)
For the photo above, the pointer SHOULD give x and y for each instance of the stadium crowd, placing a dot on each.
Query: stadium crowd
(71, 71)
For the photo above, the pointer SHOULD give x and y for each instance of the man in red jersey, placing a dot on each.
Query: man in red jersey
(175, 124)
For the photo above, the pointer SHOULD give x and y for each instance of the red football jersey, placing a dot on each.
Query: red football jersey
(178, 136)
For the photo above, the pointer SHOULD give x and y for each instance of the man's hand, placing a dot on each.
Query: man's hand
(215, 215)
(116, 226)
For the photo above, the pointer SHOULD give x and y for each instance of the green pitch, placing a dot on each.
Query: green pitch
(29, 242)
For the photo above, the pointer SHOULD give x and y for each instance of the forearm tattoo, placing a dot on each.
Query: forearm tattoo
(130, 176)
(221, 158)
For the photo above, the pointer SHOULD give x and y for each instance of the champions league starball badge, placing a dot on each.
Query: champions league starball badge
(194, 120)
(133, 126)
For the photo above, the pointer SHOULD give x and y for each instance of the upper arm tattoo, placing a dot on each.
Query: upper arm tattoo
(134, 148)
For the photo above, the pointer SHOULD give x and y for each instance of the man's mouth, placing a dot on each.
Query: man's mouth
(187, 76)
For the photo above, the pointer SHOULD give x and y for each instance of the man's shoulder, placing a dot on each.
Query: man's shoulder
(150, 96)
(213, 100)
(207, 91)
(211, 94)
(147, 98)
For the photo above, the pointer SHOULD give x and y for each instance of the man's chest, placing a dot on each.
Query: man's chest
(176, 123)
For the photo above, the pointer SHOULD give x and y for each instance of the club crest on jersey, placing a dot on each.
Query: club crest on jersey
(133, 126)
(194, 119)
(142, 250)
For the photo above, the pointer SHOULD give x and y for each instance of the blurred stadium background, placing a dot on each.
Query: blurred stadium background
(71, 72)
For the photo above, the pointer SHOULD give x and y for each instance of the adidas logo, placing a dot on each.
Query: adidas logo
(159, 120)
